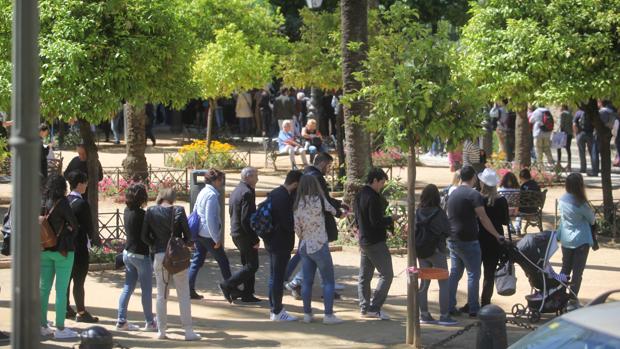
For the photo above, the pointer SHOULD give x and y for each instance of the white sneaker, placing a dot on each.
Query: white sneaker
(161, 335)
(46, 331)
(127, 326)
(283, 316)
(376, 315)
(308, 318)
(67, 333)
(338, 287)
(150, 327)
(332, 319)
(190, 335)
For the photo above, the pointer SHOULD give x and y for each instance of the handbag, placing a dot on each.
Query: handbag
(505, 279)
(177, 255)
(558, 140)
(49, 238)
(331, 228)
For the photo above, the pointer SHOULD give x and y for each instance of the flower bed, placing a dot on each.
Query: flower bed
(110, 188)
(195, 155)
(389, 157)
(107, 253)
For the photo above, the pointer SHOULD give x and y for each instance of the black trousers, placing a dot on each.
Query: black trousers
(490, 258)
(573, 265)
(278, 262)
(249, 260)
(78, 276)
(569, 139)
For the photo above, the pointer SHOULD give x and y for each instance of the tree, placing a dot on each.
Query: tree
(414, 95)
(228, 65)
(549, 51)
(354, 26)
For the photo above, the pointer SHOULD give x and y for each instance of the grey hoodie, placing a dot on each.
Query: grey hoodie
(439, 223)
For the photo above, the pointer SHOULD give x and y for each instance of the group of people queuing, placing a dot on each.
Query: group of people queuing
(548, 132)
(467, 225)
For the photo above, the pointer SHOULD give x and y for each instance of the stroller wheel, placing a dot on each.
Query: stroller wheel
(533, 316)
(518, 310)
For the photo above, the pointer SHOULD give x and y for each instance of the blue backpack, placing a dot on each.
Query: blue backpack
(261, 221)
(194, 224)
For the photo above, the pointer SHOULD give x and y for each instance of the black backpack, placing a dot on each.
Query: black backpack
(426, 241)
(585, 125)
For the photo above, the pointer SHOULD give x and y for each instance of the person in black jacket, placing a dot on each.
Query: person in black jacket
(281, 243)
(241, 205)
(160, 222)
(57, 261)
(80, 163)
(137, 260)
(78, 183)
(372, 223)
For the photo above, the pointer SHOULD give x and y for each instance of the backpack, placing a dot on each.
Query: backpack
(177, 255)
(49, 238)
(426, 241)
(261, 221)
(194, 224)
(547, 122)
(585, 124)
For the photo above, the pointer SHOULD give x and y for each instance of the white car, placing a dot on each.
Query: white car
(596, 326)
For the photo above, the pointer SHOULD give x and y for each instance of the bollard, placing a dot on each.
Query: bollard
(492, 330)
(195, 187)
(96, 337)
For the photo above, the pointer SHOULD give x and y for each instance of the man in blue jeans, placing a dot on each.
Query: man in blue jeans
(464, 205)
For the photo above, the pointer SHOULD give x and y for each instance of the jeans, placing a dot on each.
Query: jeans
(574, 261)
(204, 245)
(54, 264)
(543, 147)
(292, 265)
(374, 256)
(437, 147)
(569, 139)
(584, 142)
(437, 260)
(321, 259)
(465, 255)
(219, 117)
(78, 275)
(163, 279)
(249, 260)
(277, 270)
(116, 128)
(245, 126)
(291, 150)
(137, 267)
(596, 149)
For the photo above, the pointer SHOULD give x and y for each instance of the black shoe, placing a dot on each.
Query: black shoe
(464, 309)
(4, 338)
(236, 294)
(473, 315)
(250, 299)
(455, 313)
(226, 292)
(337, 296)
(87, 318)
(70, 314)
(194, 295)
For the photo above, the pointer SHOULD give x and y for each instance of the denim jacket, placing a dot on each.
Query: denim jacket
(208, 208)
(575, 221)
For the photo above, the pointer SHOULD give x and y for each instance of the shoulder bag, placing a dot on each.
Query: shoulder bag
(177, 255)
(49, 238)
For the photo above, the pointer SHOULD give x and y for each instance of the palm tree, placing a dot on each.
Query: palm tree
(354, 21)
(135, 162)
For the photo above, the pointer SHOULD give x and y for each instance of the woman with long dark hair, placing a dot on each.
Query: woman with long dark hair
(57, 261)
(435, 221)
(575, 232)
(137, 261)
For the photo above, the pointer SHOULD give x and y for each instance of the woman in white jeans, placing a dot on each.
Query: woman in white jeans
(159, 222)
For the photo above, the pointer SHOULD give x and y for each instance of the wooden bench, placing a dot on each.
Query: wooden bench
(532, 202)
(272, 151)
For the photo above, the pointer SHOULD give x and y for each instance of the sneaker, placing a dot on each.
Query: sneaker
(283, 316)
(161, 335)
(250, 299)
(332, 319)
(4, 337)
(308, 318)
(427, 318)
(225, 292)
(46, 331)
(447, 321)
(66, 333)
(150, 326)
(376, 315)
(339, 287)
(126, 326)
(194, 295)
(290, 286)
(190, 335)
(70, 314)
(87, 318)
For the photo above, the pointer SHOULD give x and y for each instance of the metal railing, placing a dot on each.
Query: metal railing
(168, 177)
(111, 226)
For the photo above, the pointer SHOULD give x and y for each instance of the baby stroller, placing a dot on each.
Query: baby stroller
(549, 290)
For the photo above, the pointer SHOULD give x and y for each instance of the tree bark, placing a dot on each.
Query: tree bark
(413, 314)
(604, 138)
(340, 145)
(354, 19)
(135, 163)
(92, 164)
(212, 107)
(523, 143)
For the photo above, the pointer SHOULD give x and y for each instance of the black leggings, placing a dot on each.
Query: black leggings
(78, 276)
(489, 262)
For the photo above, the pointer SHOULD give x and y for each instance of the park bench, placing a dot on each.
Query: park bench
(54, 166)
(272, 152)
(527, 205)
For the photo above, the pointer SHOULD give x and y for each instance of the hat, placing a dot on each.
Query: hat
(489, 177)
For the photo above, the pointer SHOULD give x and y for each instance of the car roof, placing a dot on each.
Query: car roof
(601, 318)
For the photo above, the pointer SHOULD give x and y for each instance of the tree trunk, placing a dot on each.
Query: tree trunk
(523, 141)
(354, 19)
(342, 171)
(604, 138)
(135, 163)
(92, 165)
(413, 314)
(212, 107)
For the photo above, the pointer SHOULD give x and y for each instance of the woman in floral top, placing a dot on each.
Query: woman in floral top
(314, 248)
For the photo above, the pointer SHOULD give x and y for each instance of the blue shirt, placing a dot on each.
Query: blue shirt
(208, 208)
(282, 138)
(575, 221)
